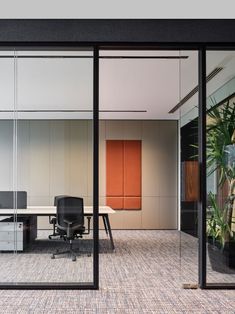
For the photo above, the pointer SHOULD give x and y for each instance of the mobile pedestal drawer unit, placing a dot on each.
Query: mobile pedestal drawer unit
(11, 236)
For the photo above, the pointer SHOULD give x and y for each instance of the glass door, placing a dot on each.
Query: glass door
(10, 242)
(220, 159)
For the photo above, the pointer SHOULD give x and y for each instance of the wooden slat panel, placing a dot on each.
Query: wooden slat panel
(191, 181)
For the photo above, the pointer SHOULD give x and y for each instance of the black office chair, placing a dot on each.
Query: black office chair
(52, 219)
(70, 222)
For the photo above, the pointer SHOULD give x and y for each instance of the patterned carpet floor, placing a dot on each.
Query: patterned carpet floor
(144, 275)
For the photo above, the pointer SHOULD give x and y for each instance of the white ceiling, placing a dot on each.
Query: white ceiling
(151, 85)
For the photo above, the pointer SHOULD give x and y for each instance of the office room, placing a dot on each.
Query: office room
(47, 164)
(47, 145)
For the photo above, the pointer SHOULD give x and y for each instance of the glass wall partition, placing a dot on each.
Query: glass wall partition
(47, 167)
(189, 167)
(8, 224)
(220, 157)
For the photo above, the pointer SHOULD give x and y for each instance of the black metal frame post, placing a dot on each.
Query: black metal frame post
(202, 167)
(96, 167)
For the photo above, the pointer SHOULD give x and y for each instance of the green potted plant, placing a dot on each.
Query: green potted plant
(221, 159)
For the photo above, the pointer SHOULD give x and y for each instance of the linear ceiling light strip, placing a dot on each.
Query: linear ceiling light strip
(195, 90)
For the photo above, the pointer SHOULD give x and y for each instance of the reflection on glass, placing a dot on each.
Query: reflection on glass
(189, 168)
(221, 171)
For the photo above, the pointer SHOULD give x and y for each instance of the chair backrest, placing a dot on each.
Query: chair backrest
(57, 197)
(70, 208)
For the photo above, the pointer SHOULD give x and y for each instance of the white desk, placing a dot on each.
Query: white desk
(51, 210)
(104, 212)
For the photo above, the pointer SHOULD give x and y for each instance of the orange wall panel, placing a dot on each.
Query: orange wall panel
(123, 174)
(132, 203)
(132, 168)
(114, 168)
(115, 202)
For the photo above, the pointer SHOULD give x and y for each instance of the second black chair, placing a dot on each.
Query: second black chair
(70, 222)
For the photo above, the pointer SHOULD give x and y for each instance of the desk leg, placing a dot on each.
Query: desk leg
(105, 225)
(106, 217)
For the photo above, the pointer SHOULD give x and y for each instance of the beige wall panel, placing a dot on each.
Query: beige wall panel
(90, 158)
(39, 163)
(87, 201)
(102, 200)
(102, 160)
(168, 186)
(150, 131)
(151, 166)
(168, 213)
(117, 220)
(59, 158)
(23, 159)
(101, 223)
(55, 157)
(43, 223)
(6, 155)
(150, 213)
(132, 130)
(78, 158)
(168, 158)
(40, 200)
(114, 130)
(132, 219)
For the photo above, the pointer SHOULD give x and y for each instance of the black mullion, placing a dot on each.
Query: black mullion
(96, 167)
(202, 164)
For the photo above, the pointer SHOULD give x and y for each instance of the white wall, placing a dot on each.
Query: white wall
(55, 157)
